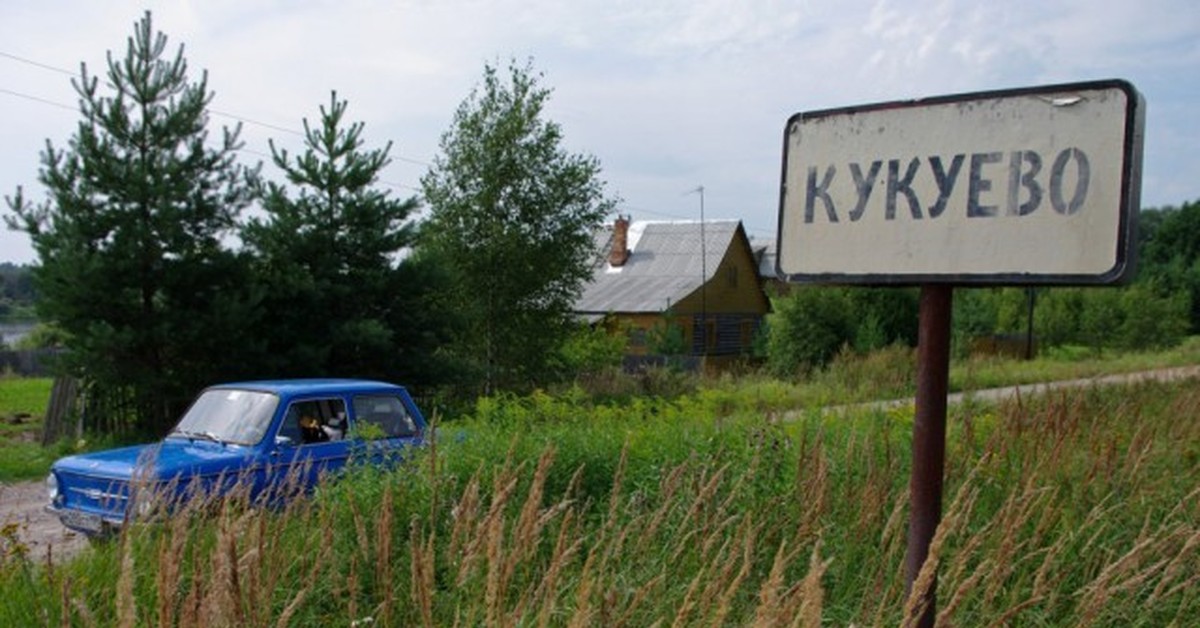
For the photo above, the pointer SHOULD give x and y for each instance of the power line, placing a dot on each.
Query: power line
(256, 122)
(245, 150)
(36, 63)
(281, 129)
(232, 116)
(37, 99)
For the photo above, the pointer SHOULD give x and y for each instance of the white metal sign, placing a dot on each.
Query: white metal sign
(1037, 185)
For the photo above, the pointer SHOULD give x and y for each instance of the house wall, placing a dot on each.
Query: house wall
(733, 304)
(724, 318)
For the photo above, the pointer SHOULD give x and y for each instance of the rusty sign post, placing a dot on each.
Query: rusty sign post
(1030, 186)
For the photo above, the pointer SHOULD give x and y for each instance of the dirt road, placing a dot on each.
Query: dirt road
(21, 502)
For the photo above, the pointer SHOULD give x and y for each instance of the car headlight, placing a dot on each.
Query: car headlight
(52, 488)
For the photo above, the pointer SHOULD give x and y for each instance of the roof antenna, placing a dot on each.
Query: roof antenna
(699, 189)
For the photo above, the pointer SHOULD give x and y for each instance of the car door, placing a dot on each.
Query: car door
(309, 443)
(385, 425)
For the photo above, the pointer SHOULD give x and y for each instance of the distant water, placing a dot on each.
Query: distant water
(11, 333)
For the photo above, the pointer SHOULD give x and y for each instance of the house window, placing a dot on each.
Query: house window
(731, 274)
(637, 337)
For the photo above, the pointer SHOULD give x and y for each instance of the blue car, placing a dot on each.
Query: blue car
(267, 439)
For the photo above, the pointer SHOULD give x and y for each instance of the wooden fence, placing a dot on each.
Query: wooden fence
(78, 408)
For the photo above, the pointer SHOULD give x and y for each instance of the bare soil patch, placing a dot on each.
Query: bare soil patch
(22, 503)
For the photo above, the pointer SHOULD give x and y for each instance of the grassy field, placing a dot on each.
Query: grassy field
(22, 406)
(1076, 508)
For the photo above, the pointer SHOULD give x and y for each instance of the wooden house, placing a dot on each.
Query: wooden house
(684, 288)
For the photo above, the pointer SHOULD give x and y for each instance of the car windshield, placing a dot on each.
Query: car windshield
(228, 416)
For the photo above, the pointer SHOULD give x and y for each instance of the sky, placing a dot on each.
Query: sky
(668, 95)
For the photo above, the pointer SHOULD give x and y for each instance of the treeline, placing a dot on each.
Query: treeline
(1158, 308)
(17, 295)
(157, 281)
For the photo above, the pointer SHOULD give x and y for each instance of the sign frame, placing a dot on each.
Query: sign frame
(1129, 195)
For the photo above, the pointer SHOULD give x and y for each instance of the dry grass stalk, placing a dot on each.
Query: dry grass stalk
(222, 603)
(718, 532)
(811, 593)
(352, 585)
(1187, 585)
(487, 538)
(770, 594)
(703, 498)
(383, 554)
(431, 446)
(496, 582)
(643, 592)
(565, 547)
(421, 569)
(253, 563)
(956, 516)
(1140, 448)
(1094, 595)
(360, 530)
(961, 591)
(465, 515)
(318, 561)
(530, 521)
(126, 604)
(748, 544)
(81, 608)
(584, 613)
(668, 486)
(1044, 584)
(531, 594)
(963, 561)
(721, 574)
(192, 602)
(684, 611)
(64, 602)
(812, 482)
(1007, 617)
(170, 562)
(1011, 519)
(1176, 566)
(618, 483)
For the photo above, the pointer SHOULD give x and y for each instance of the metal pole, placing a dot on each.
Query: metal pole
(1030, 295)
(703, 278)
(704, 274)
(929, 439)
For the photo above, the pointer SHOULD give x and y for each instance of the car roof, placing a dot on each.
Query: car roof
(290, 387)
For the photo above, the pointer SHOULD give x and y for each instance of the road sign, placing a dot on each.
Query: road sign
(1025, 186)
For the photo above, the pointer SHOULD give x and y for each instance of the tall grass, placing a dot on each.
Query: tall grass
(1074, 508)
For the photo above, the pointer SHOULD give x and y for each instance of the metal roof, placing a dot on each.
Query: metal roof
(765, 254)
(664, 266)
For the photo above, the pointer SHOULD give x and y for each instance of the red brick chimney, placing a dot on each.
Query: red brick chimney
(620, 242)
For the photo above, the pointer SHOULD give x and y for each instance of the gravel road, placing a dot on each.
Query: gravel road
(21, 504)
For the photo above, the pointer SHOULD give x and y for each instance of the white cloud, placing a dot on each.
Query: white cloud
(668, 94)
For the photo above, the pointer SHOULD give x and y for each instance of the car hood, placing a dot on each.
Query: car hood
(161, 461)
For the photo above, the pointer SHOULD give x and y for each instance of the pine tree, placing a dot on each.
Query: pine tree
(131, 261)
(330, 248)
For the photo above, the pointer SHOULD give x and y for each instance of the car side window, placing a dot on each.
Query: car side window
(314, 421)
(383, 416)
